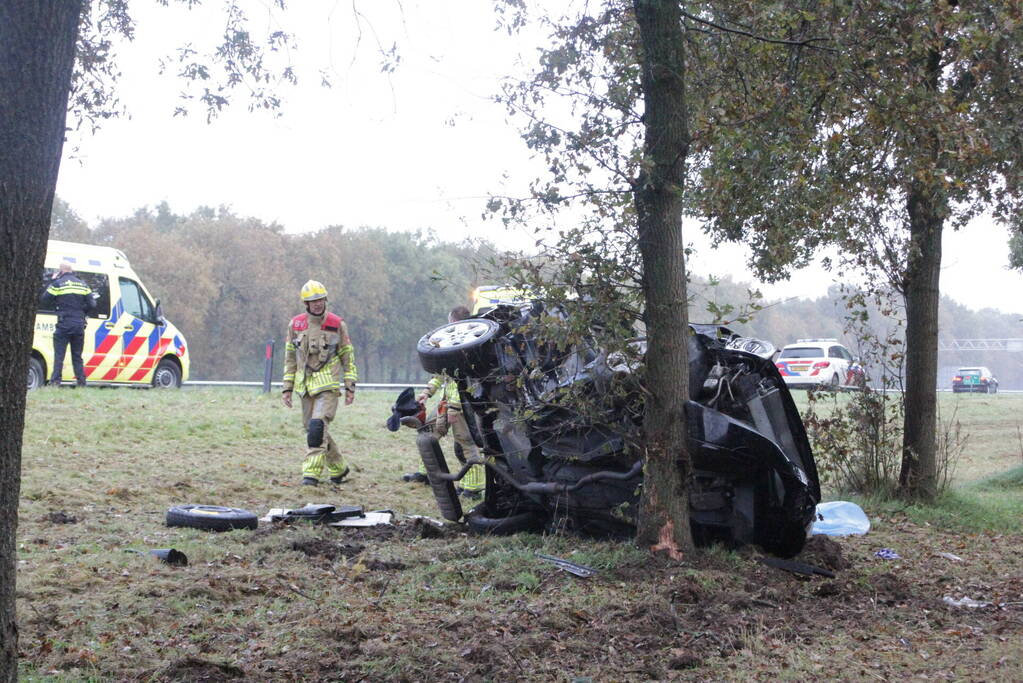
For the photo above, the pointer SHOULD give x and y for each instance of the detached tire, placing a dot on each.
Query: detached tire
(211, 517)
(459, 348)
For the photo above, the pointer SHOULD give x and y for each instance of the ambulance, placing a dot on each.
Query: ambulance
(127, 339)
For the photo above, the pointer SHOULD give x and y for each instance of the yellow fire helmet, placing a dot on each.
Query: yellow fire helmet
(313, 290)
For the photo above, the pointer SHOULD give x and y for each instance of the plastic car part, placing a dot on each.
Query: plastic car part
(459, 348)
(211, 517)
(435, 463)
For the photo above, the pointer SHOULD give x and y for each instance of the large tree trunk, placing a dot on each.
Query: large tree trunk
(926, 209)
(664, 507)
(37, 49)
(918, 478)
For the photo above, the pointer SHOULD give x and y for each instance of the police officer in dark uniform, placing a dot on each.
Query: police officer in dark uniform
(73, 300)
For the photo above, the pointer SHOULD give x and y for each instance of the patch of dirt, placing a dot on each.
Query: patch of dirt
(195, 669)
(384, 565)
(383, 532)
(59, 517)
(890, 589)
(420, 527)
(321, 547)
(824, 552)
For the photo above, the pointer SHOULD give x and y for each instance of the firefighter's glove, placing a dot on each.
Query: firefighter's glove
(286, 398)
(349, 394)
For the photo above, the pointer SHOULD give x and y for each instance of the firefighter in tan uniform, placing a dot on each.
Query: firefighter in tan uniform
(318, 361)
(449, 416)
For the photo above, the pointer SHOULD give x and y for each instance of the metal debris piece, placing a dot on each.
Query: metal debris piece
(570, 567)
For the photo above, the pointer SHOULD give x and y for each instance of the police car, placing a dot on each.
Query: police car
(819, 363)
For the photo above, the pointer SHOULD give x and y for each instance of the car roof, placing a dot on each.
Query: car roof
(813, 344)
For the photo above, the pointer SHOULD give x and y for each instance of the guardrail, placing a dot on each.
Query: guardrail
(229, 383)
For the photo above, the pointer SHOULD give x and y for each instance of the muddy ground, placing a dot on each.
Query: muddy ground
(414, 602)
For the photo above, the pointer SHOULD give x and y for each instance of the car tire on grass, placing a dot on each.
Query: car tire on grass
(461, 347)
(211, 517)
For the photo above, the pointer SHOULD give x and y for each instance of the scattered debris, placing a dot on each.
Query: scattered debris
(840, 518)
(60, 518)
(325, 514)
(170, 556)
(374, 518)
(950, 556)
(887, 554)
(570, 567)
(964, 602)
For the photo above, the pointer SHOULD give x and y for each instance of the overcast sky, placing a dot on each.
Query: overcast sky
(420, 148)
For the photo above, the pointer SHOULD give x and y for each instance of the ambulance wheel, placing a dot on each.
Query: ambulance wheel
(211, 517)
(459, 348)
(36, 375)
(167, 375)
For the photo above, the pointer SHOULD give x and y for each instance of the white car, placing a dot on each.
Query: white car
(814, 363)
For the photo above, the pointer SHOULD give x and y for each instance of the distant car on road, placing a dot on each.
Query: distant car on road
(820, 363)
(974, 379)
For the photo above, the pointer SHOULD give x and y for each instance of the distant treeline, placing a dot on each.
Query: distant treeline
(231, 284)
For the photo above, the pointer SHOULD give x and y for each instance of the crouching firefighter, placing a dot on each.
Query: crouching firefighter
(318, 361)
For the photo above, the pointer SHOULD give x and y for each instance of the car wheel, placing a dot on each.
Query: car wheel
(835, 383)
(167, 375)
(36, 374)
(211, 517)
(461, 347)
(991, 388)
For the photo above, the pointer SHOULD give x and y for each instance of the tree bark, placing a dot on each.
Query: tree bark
(926, 208)
(918, 476)
(663, 523)
(37, 49)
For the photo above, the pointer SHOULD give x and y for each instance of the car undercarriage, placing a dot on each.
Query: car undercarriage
(560, 432)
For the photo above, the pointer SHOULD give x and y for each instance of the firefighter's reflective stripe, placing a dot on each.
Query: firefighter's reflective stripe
(289, 375)
(325, 379)
(448, 388)
(352, 373)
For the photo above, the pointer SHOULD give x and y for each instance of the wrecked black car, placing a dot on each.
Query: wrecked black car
(550, 465)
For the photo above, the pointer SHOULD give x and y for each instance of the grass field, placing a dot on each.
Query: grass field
(412, 602)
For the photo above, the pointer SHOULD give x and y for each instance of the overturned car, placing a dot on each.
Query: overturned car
(552, 465)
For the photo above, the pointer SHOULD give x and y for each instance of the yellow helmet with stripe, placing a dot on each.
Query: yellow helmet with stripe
(313, 290)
